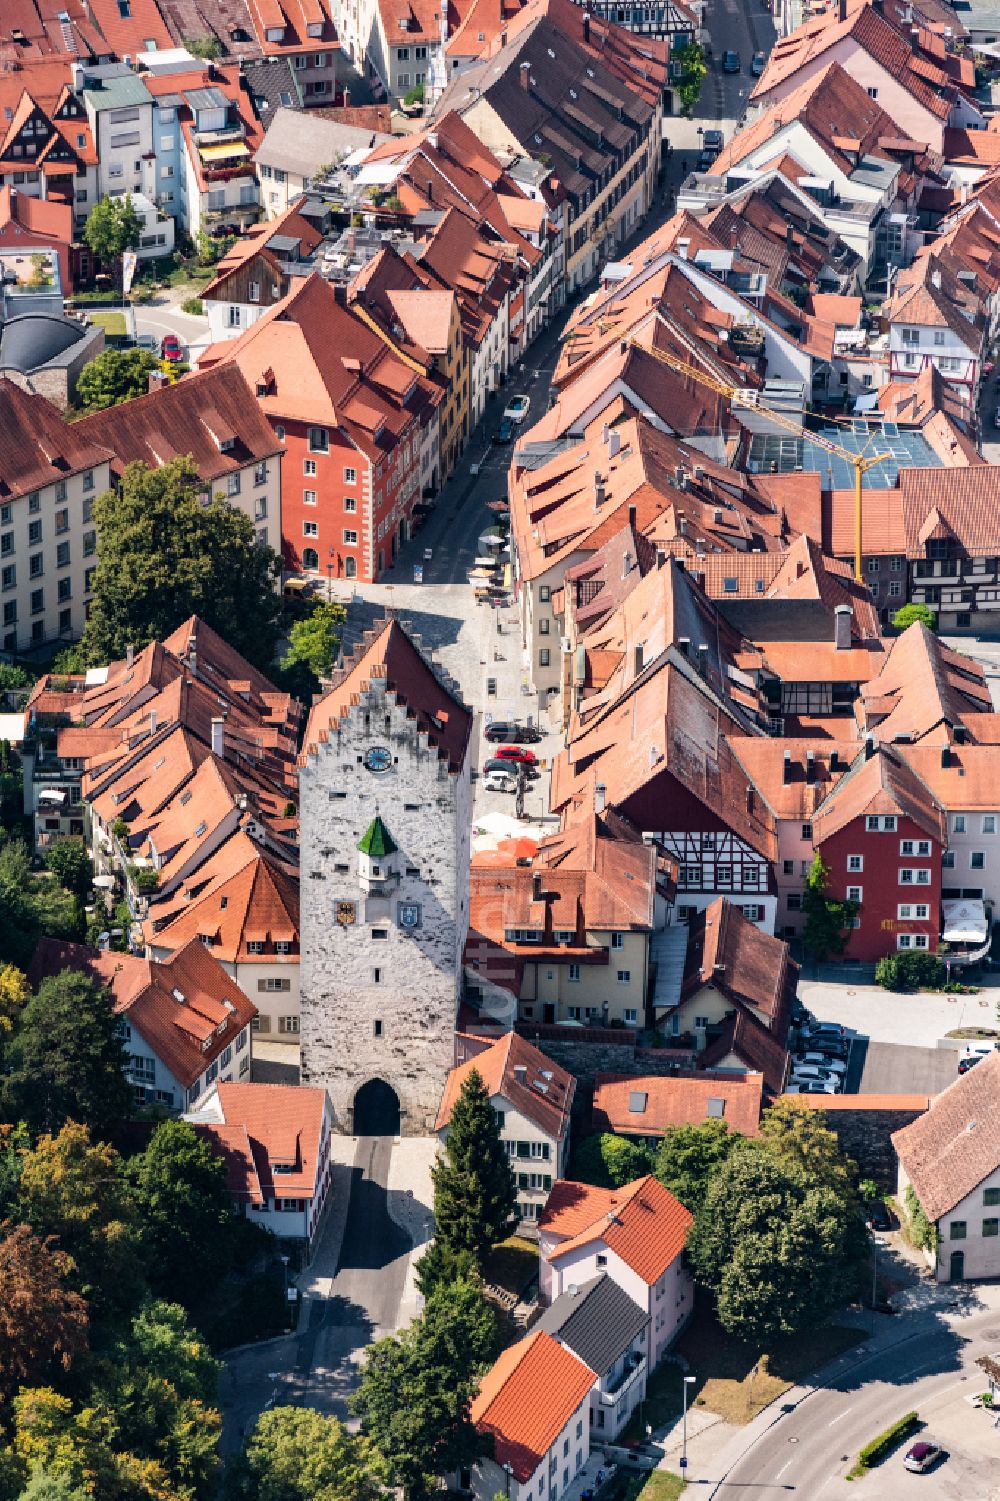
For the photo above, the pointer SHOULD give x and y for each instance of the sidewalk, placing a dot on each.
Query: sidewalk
(409, 1196)
(314, 1282)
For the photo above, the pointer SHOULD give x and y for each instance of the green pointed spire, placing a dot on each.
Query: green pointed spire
(377, 841)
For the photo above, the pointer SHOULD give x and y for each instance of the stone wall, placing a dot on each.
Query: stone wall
(381, 1006)
(866, 1136)
(587, 1051)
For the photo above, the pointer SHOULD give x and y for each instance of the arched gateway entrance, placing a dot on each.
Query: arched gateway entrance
(376, 1109)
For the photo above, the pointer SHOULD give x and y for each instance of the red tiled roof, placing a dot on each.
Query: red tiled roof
(186, 1034)
(667, 1101)
(391, 654)
(642, 1223)
(542, 1093)
(727, 950)
(33, 437)
(882, 783)
(284, 1124)
(527, 1399)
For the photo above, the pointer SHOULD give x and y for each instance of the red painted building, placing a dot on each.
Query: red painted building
(881, 834)
(351, 409)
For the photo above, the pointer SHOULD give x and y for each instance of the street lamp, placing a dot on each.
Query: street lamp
(329, 576)
(508, 1470)
(688, 1381)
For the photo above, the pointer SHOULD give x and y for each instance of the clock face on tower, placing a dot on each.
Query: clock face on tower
(378, 758)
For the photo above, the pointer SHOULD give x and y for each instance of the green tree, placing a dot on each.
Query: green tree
(178, 1188)
(162, 555)
(609, 1161)
(474, 1191)
(827, 919)
(43, 1323)
(44, 1486)
(688, 1156)
(208, 47)
(68, 1059)
(69, 862)
(416, 1390)
(82, 1447)
(13, 677)
(776, 1252)
(15, 993)
(296, 1454)
(313, 643)
(159, 1397)
(113, 376)
(112, 227)
(73, 1190)
(923, 1231)
(693, 65)
(440, 1265)
(907, 615)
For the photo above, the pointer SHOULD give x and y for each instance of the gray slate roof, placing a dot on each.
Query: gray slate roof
(298, 142)
(598, 1322)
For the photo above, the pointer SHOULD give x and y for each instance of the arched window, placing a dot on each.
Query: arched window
(310, 557)
(350, 568)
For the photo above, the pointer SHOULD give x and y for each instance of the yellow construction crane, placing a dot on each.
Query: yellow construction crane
(739, 396)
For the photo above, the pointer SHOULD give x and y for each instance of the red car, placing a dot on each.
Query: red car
(516, 753)
(170, 348)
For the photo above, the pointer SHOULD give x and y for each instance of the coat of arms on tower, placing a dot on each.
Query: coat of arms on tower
(346, 913)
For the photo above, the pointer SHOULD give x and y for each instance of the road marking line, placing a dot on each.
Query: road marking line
(787, 1465)
(840, 1417)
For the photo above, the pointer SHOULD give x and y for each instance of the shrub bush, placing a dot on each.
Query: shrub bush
(922, 1232)
(910, 971)
(194, 306)
(880, 1448)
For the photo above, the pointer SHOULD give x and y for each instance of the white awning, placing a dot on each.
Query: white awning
(106, 883)
(52, 795)
(964, 921)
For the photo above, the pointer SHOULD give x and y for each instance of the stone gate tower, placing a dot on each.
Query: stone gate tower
(385, 807)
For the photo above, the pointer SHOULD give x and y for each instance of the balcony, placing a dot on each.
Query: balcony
(633, 1369)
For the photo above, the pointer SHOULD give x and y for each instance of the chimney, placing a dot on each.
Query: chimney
(347, 98)
(842, 10)
(524, 74)
(600, 797)
(945, 755)
(750, 799)
(432, 139)
(430, 190)
(834, 761)
(156, 380)
(683, 644)
(152, 721)
(810, 767)
(631, 517)
(521, 1073)
(600, 495)
(936, 279)
(129, 655)
(702, 657)
(786, 770)
(340, 293)
(218, 737)
(637, 656)
(842, 627)
(869, 747)
(661, 557)
(503, 37)
(586, 28)
(789, 234)
(536, 887)
(614, 443)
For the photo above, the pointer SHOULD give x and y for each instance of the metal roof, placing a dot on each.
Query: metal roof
(207, 99)
(773, 453)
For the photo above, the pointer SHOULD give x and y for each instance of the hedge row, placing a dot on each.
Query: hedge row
(881, 1447)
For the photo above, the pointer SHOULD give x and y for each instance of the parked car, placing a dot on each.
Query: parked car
(972, 1054)
(505, 432)
(830, 1047)
(712, 140)
(819, 1076)
(508, 768)
(517, 408)
(814, 1030)
(515, 734)
(170, 348)
(879, 1217)
(705, 160)
(921, 1456)
(821, 1060)
(500, 781)
(147, 341)
(517, 753)
(810, 1086)
(758, 63)
(731, 61)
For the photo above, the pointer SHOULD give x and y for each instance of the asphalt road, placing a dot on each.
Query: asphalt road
(806, 1451)
(746, 26)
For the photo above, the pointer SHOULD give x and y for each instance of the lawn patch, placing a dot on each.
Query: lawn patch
(655, 1485)
(112, 323)
(663, 1402)
(512, 1265)
(737, 1381)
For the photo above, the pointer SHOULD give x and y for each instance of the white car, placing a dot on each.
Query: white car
(498, 781)
(820, 1060)
(811, 1086)
(517, 408)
